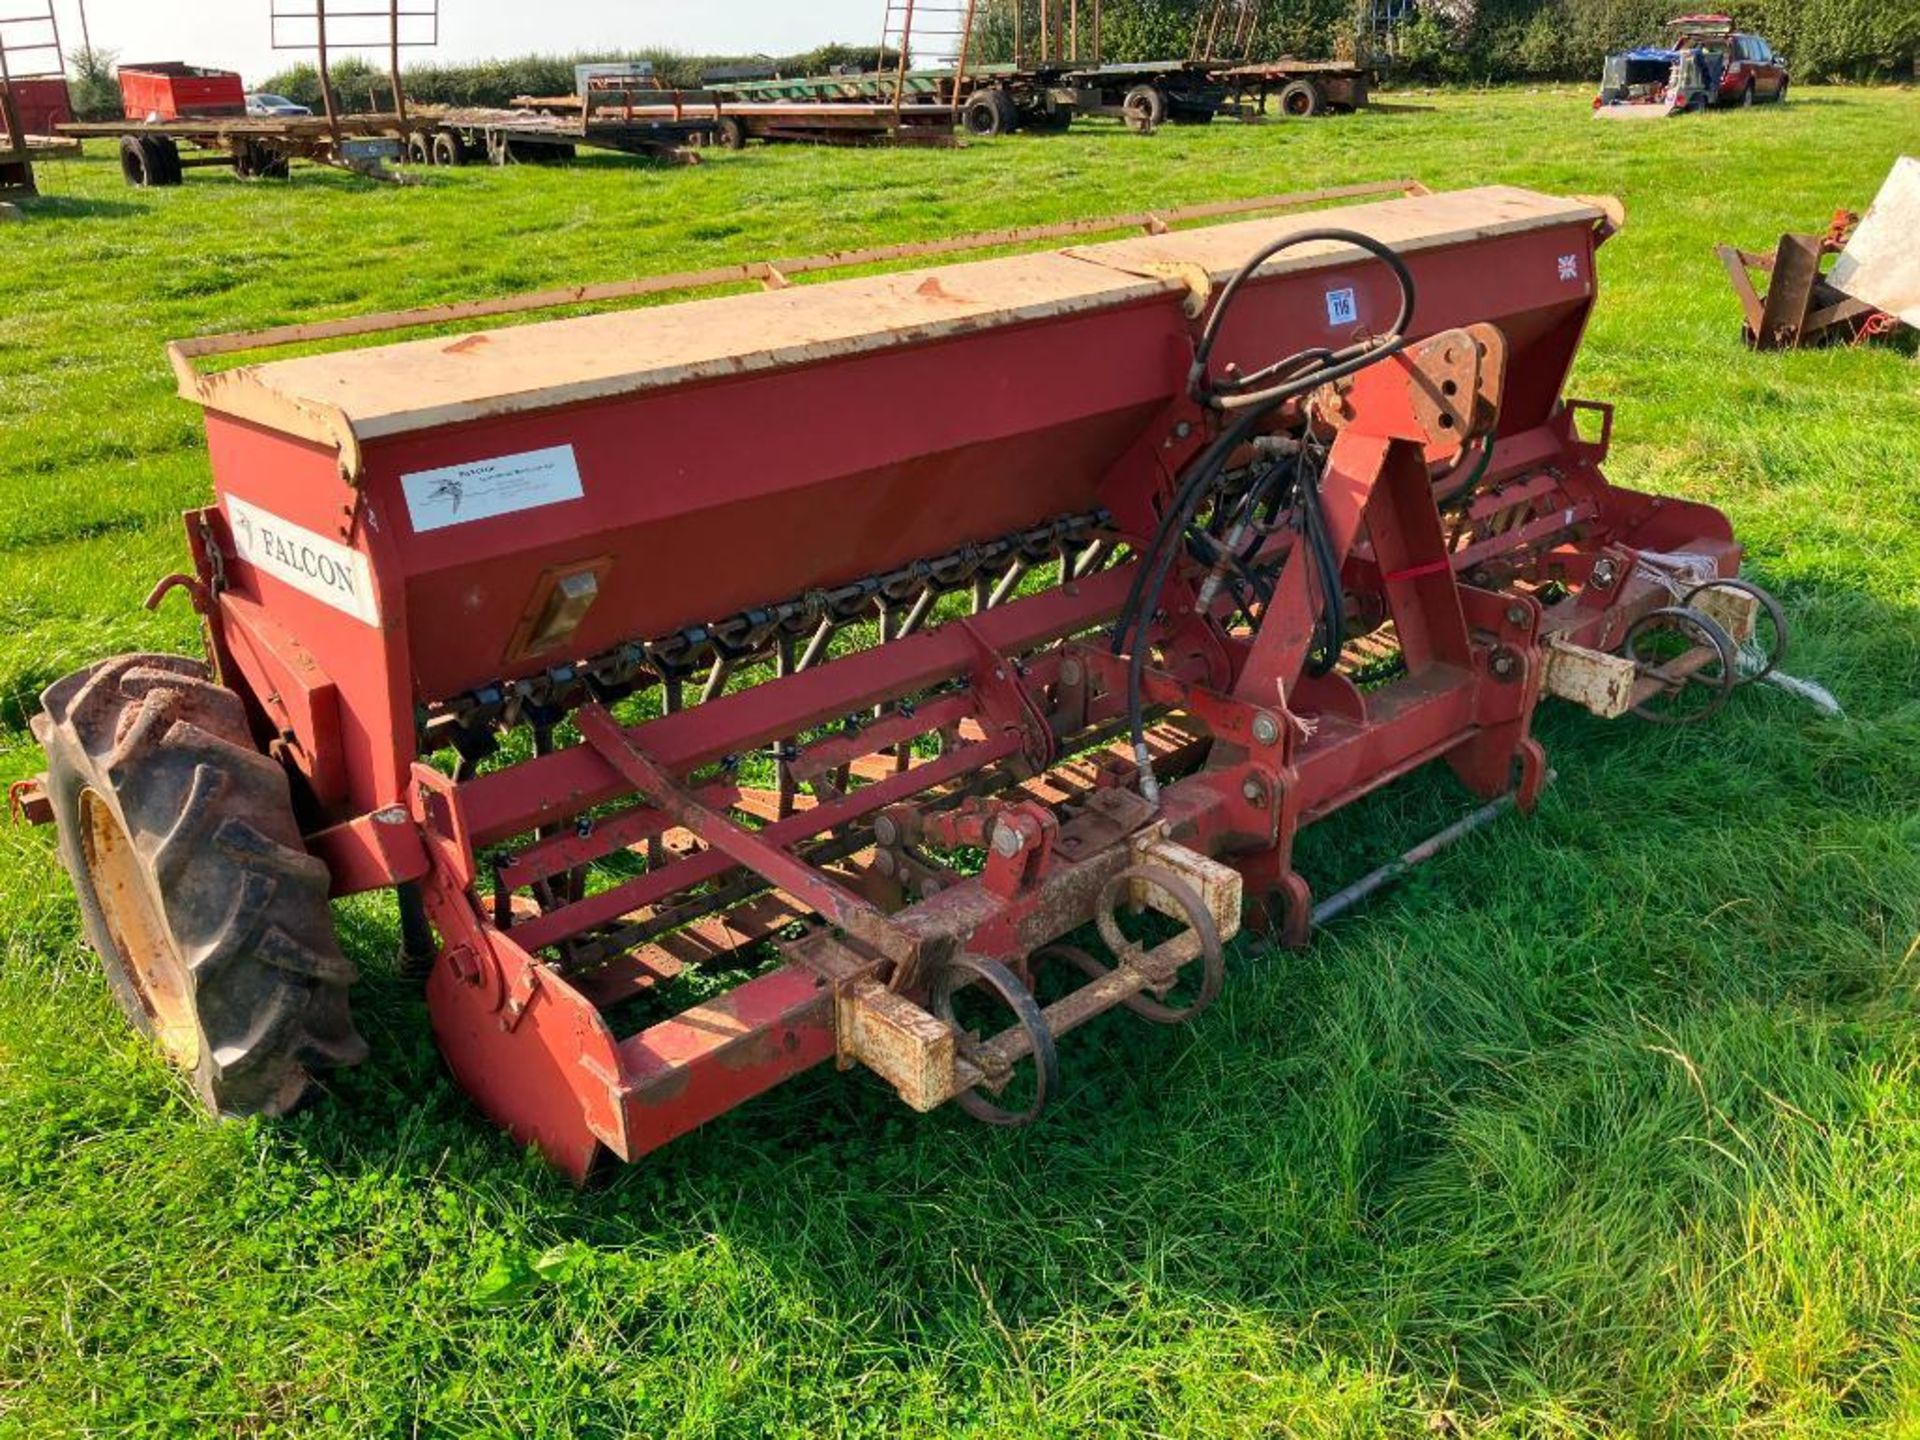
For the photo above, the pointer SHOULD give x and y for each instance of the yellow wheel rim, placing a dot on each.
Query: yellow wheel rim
(139, 935)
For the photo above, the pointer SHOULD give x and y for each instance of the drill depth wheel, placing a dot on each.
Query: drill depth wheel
(970, 980)
(1691, 661)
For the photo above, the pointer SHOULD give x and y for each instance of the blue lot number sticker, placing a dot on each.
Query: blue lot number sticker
(1342, 308)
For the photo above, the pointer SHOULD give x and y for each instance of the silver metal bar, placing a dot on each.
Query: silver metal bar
(1374, 881)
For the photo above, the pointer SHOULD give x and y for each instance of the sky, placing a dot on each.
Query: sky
(234, 34)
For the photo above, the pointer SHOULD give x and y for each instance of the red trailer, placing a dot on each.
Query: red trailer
(171, 90)
(41, 104)
(695, 636)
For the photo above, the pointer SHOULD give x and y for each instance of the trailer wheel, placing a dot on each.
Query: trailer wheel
(169, 157)
(254, 161)
(449, 148)
(149, 161)
(989, 113)
(208, 914)
(1047, 119)
(730, 134)
(1301, 98)
(419, 150)
(1145, 109)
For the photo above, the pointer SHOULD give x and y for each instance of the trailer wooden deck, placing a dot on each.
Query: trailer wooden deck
(733, 121)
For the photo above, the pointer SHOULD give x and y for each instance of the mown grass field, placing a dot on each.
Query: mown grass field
(1608, 1123)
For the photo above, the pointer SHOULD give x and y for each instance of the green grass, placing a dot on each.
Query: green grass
(1606, 1123)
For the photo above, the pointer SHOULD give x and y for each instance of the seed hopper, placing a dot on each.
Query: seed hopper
(894, 671)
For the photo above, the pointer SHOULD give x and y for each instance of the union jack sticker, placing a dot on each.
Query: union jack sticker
(1569, 267)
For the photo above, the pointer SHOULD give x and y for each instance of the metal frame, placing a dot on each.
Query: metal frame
(903, 25)
(360, 143)
(1213, 25)
(1058, 68)
(325, 16)
(42, 32)
(1800, 306)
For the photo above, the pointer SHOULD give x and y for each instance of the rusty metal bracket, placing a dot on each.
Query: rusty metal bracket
(784, 871)
(1800, 306)
(28, 801)
(196, 592)
(920, 1055)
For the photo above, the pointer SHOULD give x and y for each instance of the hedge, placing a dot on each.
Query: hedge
(362, 86)
(1449, 40)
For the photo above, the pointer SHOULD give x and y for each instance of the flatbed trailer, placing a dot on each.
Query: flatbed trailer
(731, 120)
(158, 153)
(532, 135)
(1302, 87)
(1147, 94)
(18, 155)
(999, 99)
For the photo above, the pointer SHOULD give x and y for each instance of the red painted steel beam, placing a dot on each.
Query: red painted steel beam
(562, 852)
(685, 1071)
(752, 849)
(655, 886)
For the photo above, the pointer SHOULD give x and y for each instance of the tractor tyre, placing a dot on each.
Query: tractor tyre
(1300, 99)
(148, 161)
(1048, 119)
(1145, 109)
(206, 910)
(253, 160)
(168, 154)
(990, 113)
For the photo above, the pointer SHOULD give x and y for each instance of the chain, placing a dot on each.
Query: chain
(617, 672)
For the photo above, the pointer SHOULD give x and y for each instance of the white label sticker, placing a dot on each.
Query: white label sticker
(322, 568)
(1342, 308)
(483, 489)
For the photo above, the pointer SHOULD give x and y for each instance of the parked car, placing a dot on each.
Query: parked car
(1704, 61)
(274, 107)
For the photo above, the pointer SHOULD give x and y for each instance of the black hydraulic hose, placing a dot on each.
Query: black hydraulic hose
(1458, 492)
(1239, 391)
(1212, 460)
(1254, 397)
(1333, 600)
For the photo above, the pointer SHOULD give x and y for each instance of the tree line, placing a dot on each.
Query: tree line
(1476, 41)
(1493, 40)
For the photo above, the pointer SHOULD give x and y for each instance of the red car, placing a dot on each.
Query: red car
(1744, 67)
